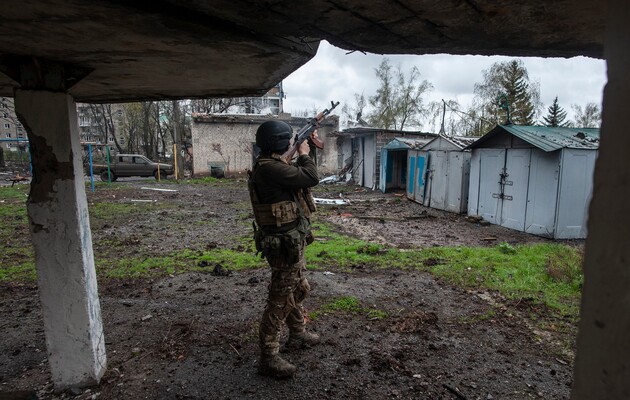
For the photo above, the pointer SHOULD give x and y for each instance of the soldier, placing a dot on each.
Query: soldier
(282, 208)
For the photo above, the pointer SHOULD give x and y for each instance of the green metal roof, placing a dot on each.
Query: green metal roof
(547, 138)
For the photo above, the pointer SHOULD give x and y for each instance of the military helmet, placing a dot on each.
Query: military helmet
(273, 136)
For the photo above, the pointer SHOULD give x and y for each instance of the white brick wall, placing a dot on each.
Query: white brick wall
(227, 140)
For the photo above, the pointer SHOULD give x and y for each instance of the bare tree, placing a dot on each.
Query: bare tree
(354, 113)
(588, 117)
(102, 118)
(398, 101)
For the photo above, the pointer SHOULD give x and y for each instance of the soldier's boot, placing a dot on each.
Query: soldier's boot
(301, 340)
(275, 366)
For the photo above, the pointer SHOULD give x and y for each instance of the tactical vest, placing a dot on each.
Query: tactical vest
(280, 214)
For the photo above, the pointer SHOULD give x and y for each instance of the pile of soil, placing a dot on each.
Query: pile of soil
(194, 335)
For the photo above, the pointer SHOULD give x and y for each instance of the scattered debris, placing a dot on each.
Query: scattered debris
(146, 317)
(331, 201)
(455, 391)
(431, 262)
(143, 201)
(328, 273)
(74, 391)
(17, 179)
(220, 271)
(474, 218)
(159, 189)
(489, 238)
(381, 218)
(329, 179)
(413, 322)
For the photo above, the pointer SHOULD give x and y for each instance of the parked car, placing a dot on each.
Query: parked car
(124, 165)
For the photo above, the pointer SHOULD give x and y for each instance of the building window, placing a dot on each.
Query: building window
(5, 115)
(7, 126)
(8, 135)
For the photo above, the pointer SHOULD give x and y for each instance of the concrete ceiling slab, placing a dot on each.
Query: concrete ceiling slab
(138, 50)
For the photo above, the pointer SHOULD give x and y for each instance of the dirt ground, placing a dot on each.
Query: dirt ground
(194, 335)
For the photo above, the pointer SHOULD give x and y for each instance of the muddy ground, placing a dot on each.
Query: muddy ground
(193, 335)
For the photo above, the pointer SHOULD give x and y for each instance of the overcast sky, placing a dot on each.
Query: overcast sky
(335, 75)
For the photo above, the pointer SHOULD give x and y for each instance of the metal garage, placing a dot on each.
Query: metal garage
(534, 179)
(394, 161)
(442, 168)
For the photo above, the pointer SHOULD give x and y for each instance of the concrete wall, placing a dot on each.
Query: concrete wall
(228, 141)
(602, 365)
(228, 144)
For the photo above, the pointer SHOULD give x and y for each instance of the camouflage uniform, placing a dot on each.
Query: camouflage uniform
(283, 226)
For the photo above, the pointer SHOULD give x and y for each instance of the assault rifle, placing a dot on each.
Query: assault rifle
(306, 132)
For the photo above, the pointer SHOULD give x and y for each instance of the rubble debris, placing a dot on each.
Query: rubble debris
(220, 271)
(329, 179)
(455, 391)
(159, 189)
(331, 201)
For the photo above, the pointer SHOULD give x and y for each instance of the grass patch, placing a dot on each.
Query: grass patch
(19, 192)
(16, 251)
(346, 304)
(547, 274)
(333, 250)
(110, 211)
(24, 272)
(178, 262)
(478, 318)
(543, 274)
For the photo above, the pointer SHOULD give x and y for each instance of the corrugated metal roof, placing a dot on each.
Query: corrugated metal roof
(547, 138)
(461, 141)
(357, 131)
(410, 143)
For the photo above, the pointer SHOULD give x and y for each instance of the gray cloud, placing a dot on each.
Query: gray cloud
(334, 75)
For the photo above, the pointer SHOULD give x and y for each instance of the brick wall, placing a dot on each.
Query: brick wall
(227, 141)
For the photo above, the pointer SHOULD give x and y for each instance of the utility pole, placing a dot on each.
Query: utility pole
(443, 114)
(177, 143)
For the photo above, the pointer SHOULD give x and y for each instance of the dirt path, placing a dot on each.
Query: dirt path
(193, 336)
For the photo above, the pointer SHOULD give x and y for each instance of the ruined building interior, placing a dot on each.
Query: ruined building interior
(56, 53)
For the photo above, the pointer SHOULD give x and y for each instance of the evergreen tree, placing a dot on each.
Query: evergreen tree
(508, 80)
(555, 115)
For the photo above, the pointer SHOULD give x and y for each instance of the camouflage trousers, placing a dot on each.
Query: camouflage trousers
(287, 291)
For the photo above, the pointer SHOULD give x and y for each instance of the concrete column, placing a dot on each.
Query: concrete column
(602, 367)
(60, 230)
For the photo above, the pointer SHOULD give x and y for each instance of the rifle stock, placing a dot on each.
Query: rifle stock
(306, 131)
